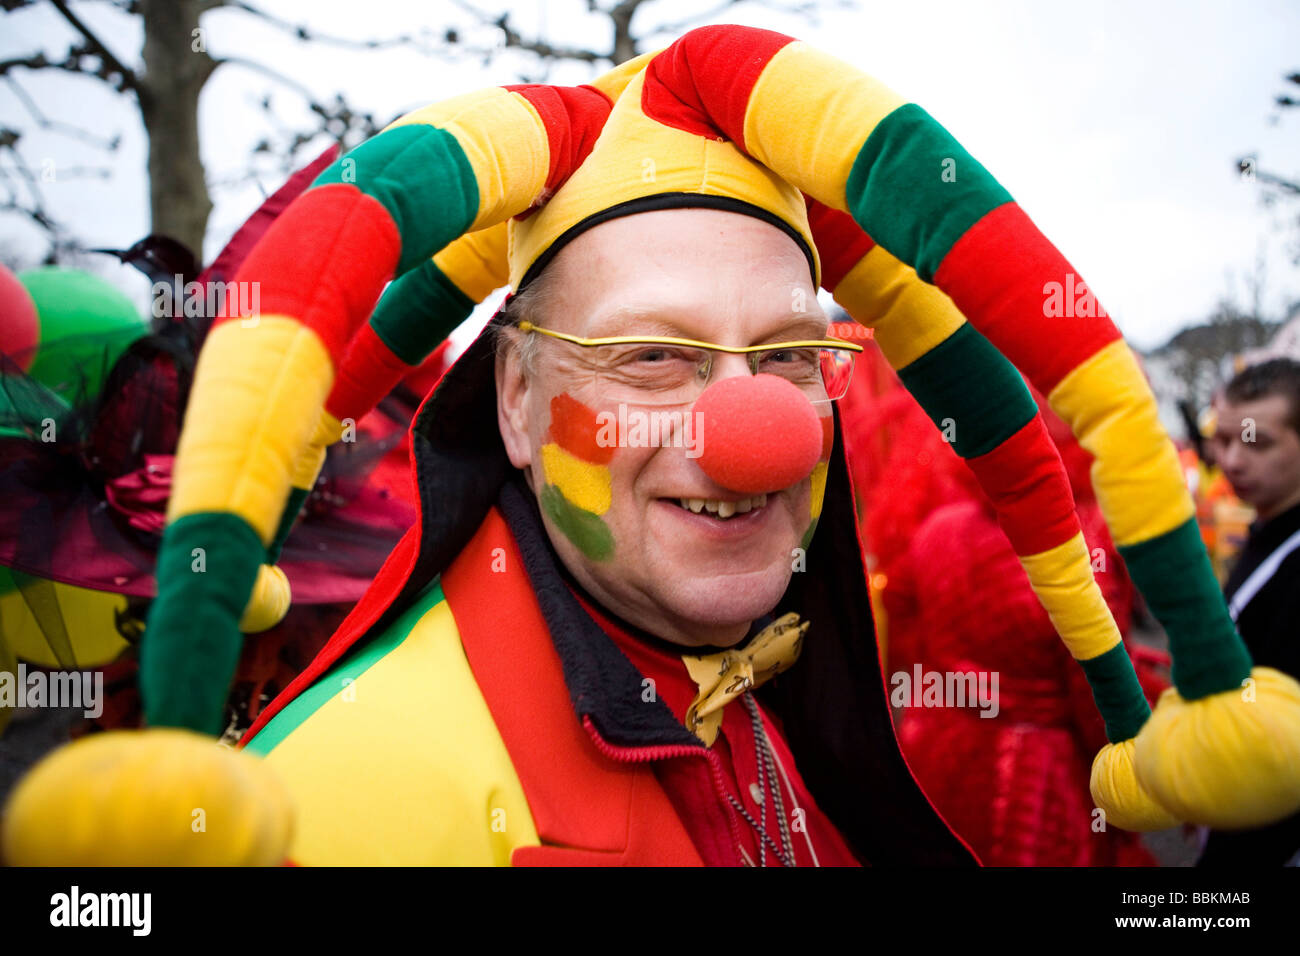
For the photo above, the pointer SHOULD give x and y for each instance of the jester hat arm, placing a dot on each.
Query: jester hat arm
(262, 382)
(474, 161)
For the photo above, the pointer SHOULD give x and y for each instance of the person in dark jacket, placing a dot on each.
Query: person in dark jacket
(1257, 444)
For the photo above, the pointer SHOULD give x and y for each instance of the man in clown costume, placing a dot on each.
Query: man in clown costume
(616, 636)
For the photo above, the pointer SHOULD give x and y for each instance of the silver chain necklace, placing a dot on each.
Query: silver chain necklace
(770, 788)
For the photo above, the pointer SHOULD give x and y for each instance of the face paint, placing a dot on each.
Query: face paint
(577, 481)
(818, 494)
(587, 532)
(576, 429)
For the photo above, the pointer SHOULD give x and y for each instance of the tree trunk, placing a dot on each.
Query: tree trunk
(176, 67)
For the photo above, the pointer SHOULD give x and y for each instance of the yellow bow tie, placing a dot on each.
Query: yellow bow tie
(724, 676)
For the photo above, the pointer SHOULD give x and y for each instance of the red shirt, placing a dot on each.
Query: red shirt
(814, 839)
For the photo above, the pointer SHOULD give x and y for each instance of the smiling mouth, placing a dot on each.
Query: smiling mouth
(720, 509)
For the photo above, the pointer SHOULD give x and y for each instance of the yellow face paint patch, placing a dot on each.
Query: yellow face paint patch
(818, 489)
(585, 485)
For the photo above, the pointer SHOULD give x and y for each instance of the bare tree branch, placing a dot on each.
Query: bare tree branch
(57, 126)
(81, 58)
(76, 172)
(9, 143)
(97, 46)
(306, 34)
(270, 72)
(1269, 179)
(677, 26)
(541, 48)
(62, 244)
(809, 10)
(34, 61)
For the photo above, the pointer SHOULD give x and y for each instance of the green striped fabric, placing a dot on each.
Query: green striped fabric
(1118, 694)
(418, 311)
(209, 562)
(1173, 573)
(916, 191)
(966, 380)
(422, 178)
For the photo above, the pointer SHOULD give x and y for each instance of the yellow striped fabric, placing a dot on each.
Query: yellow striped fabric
(910, 317)
(258, 391)
(505, 142)
(803, 87)
(307, 466)
(614, 82)
(637, 157)
(476, 262)
(1062, 579)
(1110, 408)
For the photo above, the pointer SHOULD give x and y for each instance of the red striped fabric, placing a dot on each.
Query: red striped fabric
(303, 271)
(1026, 483)
(573, 117)
(368, 372)
(841, 243)
(702, 83)
(997, 273)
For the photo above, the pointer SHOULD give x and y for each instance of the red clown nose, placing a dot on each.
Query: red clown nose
(757, 434)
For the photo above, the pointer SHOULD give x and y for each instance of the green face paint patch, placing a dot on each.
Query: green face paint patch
(588, 533)
(808, 535)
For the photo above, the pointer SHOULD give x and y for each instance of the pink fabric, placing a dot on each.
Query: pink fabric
(142, 494)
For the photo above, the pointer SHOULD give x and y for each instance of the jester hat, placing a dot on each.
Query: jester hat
(911, 235)
(918, 241)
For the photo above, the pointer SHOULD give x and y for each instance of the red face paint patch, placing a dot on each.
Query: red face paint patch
(574, 428)
(828, 437)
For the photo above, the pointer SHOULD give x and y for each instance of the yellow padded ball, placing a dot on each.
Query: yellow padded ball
(157, 797)
(1230, 760)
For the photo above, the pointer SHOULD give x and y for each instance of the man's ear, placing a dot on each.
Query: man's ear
(513, 384)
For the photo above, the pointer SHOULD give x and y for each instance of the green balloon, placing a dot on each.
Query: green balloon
(86, 324)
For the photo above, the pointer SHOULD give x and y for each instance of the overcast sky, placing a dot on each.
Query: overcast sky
(1115, 124)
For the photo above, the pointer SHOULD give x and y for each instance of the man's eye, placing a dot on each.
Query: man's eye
(659, 355)
(807, 357)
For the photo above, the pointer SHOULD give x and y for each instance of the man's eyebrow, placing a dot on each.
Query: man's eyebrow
(815, 326)
(631, 320)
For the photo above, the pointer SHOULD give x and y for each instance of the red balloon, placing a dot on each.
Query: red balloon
(20, 329)
(757, 434)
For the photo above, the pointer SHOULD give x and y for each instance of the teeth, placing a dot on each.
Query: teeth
(723, 509)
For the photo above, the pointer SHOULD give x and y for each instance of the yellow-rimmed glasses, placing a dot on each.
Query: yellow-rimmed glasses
(662, 370)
